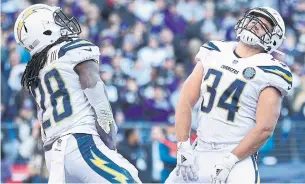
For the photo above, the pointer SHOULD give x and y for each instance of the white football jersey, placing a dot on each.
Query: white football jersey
(230, 90)
(64, 107)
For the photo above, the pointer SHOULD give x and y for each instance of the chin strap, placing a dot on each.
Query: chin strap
(280, 52)
(277, 51)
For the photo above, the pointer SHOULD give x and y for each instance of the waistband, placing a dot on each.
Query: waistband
(215, 145)
(48, 145)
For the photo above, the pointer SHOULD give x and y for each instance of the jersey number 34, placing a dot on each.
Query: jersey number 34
(229, 98)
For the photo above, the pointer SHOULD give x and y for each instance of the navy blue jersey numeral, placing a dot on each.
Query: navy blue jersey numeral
(234, 90)
(211, 89)
(232, 93)
(58, 95)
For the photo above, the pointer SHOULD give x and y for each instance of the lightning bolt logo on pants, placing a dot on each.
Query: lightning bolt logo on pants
(102, 164)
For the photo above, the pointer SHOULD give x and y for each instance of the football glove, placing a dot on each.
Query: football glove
(223, 168)
(186, 161)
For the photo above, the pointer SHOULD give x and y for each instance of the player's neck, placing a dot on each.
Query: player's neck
(243, 51)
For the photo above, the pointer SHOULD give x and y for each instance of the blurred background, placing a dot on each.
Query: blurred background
(147, 51)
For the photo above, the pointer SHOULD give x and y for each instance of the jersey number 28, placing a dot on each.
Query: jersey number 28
(231, 94)
(60, 94)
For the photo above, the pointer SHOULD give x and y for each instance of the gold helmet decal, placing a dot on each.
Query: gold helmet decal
(25, 16)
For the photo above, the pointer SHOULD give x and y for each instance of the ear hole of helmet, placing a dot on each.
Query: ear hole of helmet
(48, 32)
(26, 30)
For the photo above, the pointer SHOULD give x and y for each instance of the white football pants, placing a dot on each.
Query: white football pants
(86, 159)
(207, 155)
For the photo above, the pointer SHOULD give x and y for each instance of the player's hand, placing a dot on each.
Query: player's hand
(223, 168)
(186, 165)
(108, 138)
(105, 118)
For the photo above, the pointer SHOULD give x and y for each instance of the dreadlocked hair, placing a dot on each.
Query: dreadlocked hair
(37, 62)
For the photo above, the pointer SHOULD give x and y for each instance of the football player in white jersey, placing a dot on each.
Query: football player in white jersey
(78, 128)
(241, 86)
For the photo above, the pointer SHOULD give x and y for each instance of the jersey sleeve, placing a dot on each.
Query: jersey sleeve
(278, 77)
(77, 51)
(205, 50)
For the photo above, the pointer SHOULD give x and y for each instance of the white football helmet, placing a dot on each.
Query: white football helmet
(40, 25)
(272, 39)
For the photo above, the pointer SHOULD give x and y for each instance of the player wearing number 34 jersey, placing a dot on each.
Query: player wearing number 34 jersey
(241, 85)
(77, 124)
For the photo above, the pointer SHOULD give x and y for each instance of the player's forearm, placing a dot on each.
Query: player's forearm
(183, 118)
(188, 97)
(252, 142)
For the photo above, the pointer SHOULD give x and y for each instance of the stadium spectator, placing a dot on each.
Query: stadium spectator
(6, 172)
(131, 149)
(168, 151)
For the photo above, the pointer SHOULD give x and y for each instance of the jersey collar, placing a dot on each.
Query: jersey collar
(236, 55)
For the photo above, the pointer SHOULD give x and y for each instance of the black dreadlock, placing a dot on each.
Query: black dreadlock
(37, 62)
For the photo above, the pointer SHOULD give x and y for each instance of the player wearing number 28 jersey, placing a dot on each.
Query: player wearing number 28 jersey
(241, 85)
(77, 124)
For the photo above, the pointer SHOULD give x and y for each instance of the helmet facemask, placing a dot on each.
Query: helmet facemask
(247, 30)
(69, 26)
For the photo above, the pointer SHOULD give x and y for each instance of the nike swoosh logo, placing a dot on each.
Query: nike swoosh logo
(88, 49)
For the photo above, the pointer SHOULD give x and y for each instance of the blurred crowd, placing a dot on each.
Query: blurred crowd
(147, 51)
